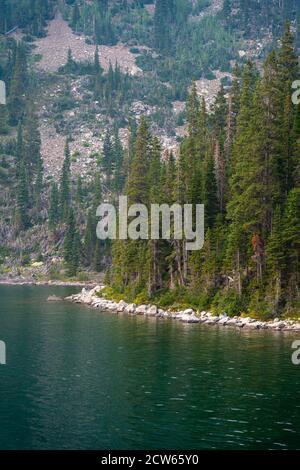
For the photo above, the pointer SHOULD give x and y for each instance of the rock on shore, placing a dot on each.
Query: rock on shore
(92, 298)
(54, 298)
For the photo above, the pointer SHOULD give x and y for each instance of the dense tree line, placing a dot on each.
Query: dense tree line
(30, 15)
(242, 162)
(19, 115)
(251, 16)
(71, 202)
(92, 18)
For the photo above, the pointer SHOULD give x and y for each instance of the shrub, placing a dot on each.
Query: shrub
(229, 302)
(25, 259)
(134, 50)
(142, 298)
(83, 276)
(56, 275)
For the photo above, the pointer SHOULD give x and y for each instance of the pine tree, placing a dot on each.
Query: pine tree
(295, 163)
(220, 173)
(74, 263)
(154, 170)
(137, 186)
(98, 87)
(90, 237)
(3, 120)
(75, 16)
(268, 140)
(38, 187)
(193, 110)
(168, 177)
(53, 219)
(107, 160)
(245, 183)
(220, 112)
(97, 260)
(71, 65)
(65, 190)
(79, 191)
(69, 236)
(31, 143)
(103, 28)
(18, 86)
(134, 257)
(118, 158)
(210, 191)
(161, 25)
(103, 5)
(288, 70)
(156, 182)
(291, 232)
(288, 60)
(97, 191)
(22, 214)
(72, 245)
(5, 17)
(276, 260)
(226, 11)
(19, 147)
(231, 121)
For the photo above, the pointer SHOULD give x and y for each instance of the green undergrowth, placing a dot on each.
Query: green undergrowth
(227, 302)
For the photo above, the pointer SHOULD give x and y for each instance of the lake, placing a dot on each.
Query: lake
(78, 378)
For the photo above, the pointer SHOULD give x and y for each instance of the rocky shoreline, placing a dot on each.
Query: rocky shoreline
(21, 282)
(91, 298)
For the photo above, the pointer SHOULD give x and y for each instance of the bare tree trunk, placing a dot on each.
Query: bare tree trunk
(220, 174)
(278, 289)
(239, 274)
(154, 271)
(179, 262)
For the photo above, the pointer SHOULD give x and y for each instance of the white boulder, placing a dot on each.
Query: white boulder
(142, 310)
(188, 311)
(189, 318)
(121, 306)
(152, 311)
(131, 308)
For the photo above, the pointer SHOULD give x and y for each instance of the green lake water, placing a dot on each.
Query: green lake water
(77, 378)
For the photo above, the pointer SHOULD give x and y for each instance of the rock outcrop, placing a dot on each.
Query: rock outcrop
(54, 298)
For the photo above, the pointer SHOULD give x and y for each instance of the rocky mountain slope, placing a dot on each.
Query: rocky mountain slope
(50, 54)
